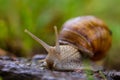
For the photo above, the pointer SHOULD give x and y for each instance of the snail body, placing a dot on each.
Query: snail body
(82, 35)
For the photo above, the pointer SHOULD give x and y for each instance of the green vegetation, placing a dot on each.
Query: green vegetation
(39, 16)
(1, 78)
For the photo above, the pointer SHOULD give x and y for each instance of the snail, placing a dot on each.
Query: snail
(81, 35)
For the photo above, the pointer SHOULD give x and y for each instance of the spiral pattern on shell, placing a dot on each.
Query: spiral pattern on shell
(89, 34)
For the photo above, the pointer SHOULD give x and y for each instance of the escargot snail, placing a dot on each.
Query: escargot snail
(82, 35)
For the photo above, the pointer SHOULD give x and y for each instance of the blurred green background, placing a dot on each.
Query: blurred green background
(39, 16)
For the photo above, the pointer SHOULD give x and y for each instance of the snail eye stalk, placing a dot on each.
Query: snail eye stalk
(45, 45)
(57, 47)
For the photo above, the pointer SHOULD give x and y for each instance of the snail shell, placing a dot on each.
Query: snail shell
(89, 34)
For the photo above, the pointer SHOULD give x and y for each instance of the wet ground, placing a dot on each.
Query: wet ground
(30, 69)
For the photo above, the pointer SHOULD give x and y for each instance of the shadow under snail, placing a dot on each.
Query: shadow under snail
(81, 35)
